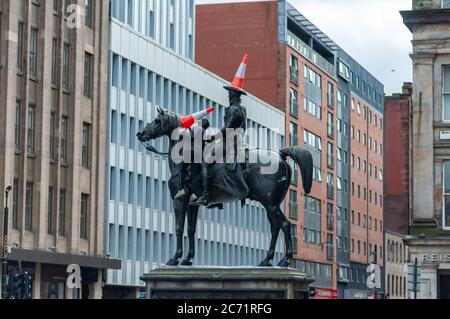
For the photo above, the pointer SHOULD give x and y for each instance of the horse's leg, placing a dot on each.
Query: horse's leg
(180, 217)
(286, 227)
(192, 226)
(275, 230)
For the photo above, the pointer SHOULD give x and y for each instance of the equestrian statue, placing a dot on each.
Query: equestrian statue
(212, 183)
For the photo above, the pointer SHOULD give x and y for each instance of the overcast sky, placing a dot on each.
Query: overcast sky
(371, 31)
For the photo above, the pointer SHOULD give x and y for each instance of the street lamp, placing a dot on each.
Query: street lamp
(5, 276)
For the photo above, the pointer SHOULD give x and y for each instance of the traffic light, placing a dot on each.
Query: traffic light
(15, 286)
(26, 286)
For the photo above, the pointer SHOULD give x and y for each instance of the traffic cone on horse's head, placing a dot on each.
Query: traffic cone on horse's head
(238, 82)
(189, 120)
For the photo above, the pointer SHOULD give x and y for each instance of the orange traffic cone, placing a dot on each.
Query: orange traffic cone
(238, 81)
(189, 120)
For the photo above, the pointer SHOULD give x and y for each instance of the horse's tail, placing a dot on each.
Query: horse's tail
(304, 160)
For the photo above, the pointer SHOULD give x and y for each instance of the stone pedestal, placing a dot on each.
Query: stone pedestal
(226, 283)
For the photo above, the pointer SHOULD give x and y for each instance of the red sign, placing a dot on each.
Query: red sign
(325, 293)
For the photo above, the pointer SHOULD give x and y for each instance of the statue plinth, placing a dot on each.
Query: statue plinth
(202, 282)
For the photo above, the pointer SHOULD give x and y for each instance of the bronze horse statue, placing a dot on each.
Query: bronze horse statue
(268, 189)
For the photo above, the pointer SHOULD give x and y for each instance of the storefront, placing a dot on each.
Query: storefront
(433, 258)
(324, 293)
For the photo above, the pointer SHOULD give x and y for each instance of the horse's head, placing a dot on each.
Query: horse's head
(163, 125)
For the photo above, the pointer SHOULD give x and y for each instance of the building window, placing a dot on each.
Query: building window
(20, 40)
(66, 62)
(64, 123)
(29, 207)
(294, 238)
(293, 134)
(312, 230)
(54, 61)
(88, 13)
(313, 77)
(55, 6)
(294, 102)
(330, 125)
(359, 247)
(330, 94)
(312, 140)
(52, 135)
(330, 217)
(344, 71)
(292, 204)
(62, 213)
(353, 245)
(330, 185)
(31, 129)
(85, 146)
(15, 213)
(33, 52)
(294, 70)
(312, 108)
(88, 75)
(446, 199)
(50, 211)
(446, 93)
(84, 213)
(17, 126)
(330, 156)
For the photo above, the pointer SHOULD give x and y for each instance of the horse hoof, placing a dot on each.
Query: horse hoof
(265, 263)
(173, 262)
(186, 262)
(283, 263)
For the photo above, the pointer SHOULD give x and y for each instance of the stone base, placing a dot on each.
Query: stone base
(226, 283)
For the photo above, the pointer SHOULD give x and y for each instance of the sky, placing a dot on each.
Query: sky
(371, 31)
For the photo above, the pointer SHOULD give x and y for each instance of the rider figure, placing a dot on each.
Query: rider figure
(194, 167)
(235, 118)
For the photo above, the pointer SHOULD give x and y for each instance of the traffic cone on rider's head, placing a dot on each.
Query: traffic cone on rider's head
(189, 120)
(238, 82)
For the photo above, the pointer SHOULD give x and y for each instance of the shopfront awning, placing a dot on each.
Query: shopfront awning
(47, 257)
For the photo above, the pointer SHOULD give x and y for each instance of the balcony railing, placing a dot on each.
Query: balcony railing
(330, 191)
(330, 252)
(294, 76)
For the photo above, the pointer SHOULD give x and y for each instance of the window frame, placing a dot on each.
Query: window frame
(444, 195)
(444, 93)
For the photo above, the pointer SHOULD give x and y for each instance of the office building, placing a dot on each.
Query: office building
(52, 134)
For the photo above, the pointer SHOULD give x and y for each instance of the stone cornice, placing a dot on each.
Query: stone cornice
(417, 17)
